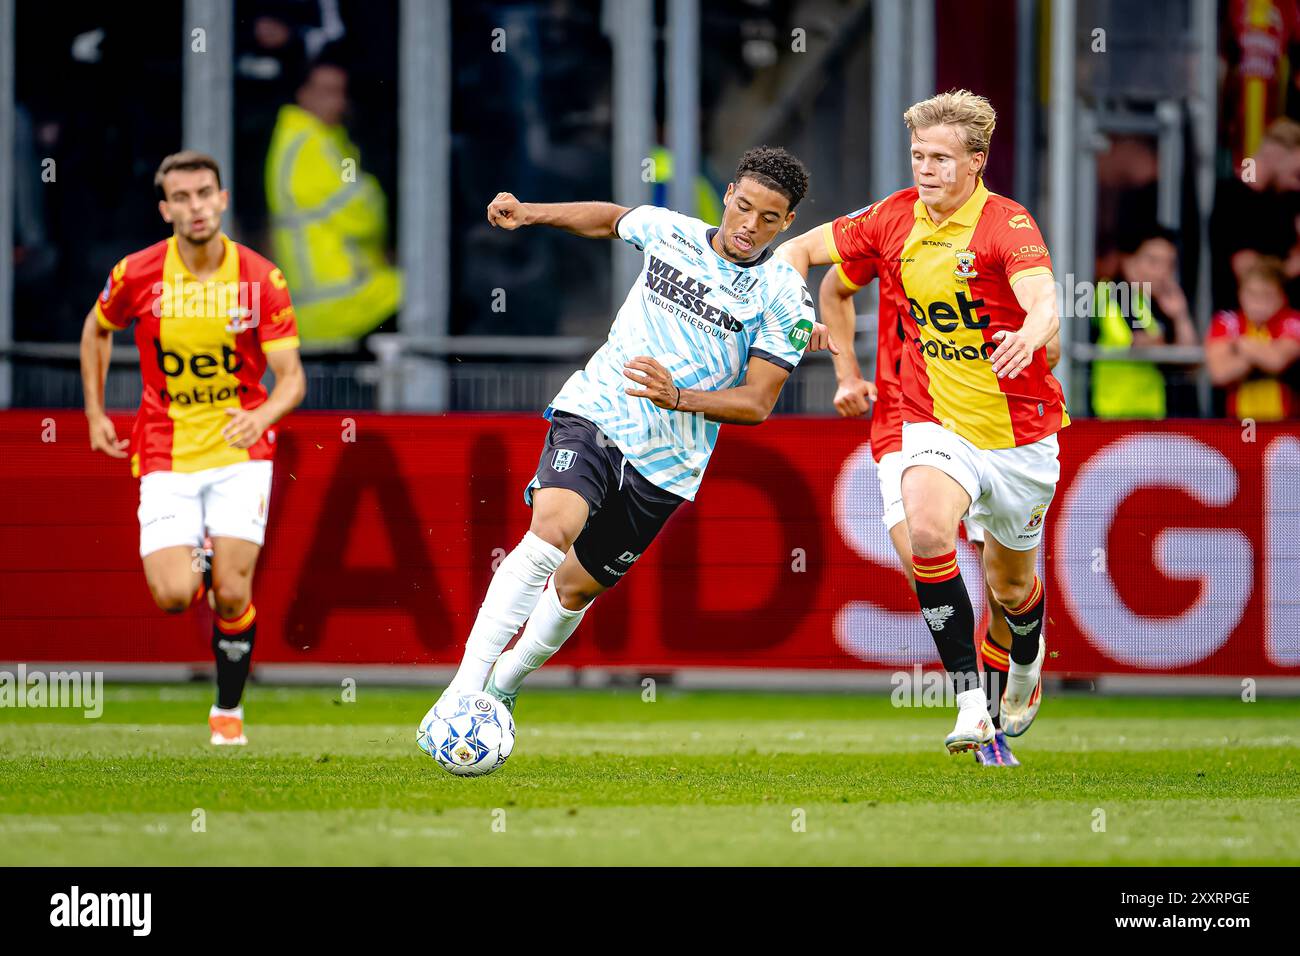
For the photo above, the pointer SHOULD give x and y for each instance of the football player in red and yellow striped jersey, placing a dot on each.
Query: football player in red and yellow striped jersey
(854, 397)
(980, 406)
(210, 315)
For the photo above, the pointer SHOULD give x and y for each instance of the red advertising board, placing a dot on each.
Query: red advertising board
(1171, 548)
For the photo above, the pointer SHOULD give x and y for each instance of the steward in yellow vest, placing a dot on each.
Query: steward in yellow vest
(329, 220)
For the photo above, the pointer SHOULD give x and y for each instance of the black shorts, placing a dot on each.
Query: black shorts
(627, 510)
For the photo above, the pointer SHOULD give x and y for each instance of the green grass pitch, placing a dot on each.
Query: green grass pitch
(601, 777)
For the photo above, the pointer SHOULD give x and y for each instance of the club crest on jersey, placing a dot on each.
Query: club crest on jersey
(240, 320)
(564, 459)
(1036, 517)
(743, 282)
(965, 265)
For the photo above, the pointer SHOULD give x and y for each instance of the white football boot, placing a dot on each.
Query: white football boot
(1023, 694)
(974, 725)
(227, 727)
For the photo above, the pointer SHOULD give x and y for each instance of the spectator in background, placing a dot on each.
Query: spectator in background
(1258, 41)
(1148, 310)
(1255, 212)
(1251, 350)
(329, 222)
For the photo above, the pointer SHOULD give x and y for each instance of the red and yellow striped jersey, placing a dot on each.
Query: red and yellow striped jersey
(955, 280)
(887, 414)
(1265, 398)
(202, 349)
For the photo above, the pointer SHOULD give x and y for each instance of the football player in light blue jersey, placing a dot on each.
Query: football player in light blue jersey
(708, 335)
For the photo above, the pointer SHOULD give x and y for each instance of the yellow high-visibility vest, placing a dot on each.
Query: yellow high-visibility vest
(1123, 388)
(708, 206)
(329, 223)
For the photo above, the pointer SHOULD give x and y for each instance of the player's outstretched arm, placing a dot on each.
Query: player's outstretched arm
(246, 425)
(592, 220)
(96, 353)
(748, 404)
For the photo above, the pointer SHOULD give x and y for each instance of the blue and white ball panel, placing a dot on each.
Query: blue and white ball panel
(469, 735)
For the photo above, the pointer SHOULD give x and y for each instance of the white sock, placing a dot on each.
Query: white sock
(215, 711)
(1020, 680)
(972, 698)
(547, 629)
(510, 598)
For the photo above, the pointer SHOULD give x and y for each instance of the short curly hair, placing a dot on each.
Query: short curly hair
(773, 167)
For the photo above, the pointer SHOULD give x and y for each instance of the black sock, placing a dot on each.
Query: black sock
(232, 648)
(950, 616)
(1026, 623)
(994, 656)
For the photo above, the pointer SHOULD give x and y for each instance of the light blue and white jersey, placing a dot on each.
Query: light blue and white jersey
(703, 318)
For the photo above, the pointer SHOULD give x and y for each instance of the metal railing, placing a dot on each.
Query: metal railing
(483, 373)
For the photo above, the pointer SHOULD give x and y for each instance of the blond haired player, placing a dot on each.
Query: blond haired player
(209, 316)
(854, 397)
(980, 407)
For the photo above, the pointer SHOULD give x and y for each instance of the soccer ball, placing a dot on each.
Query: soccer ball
(469, 735)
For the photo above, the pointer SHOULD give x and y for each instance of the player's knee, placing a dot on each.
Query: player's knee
(1010, 590)
(554, 532)
(574, 595)
(172, 596)
(231, 596)
(930, 538)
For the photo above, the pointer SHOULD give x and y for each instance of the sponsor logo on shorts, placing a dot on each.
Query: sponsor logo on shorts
(564, 459)
(1036, 517)
(932, 451)
(627, 557)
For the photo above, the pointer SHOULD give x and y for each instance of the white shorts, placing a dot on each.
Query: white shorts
(229, 502)
(890, 472)
(1010, 488)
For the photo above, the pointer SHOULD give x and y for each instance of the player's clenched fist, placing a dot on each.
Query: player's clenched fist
(507, 212)
(854, 397)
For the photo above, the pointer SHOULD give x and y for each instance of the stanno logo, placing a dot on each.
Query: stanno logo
(134, 910)
(683, 241)
(1020, 222)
